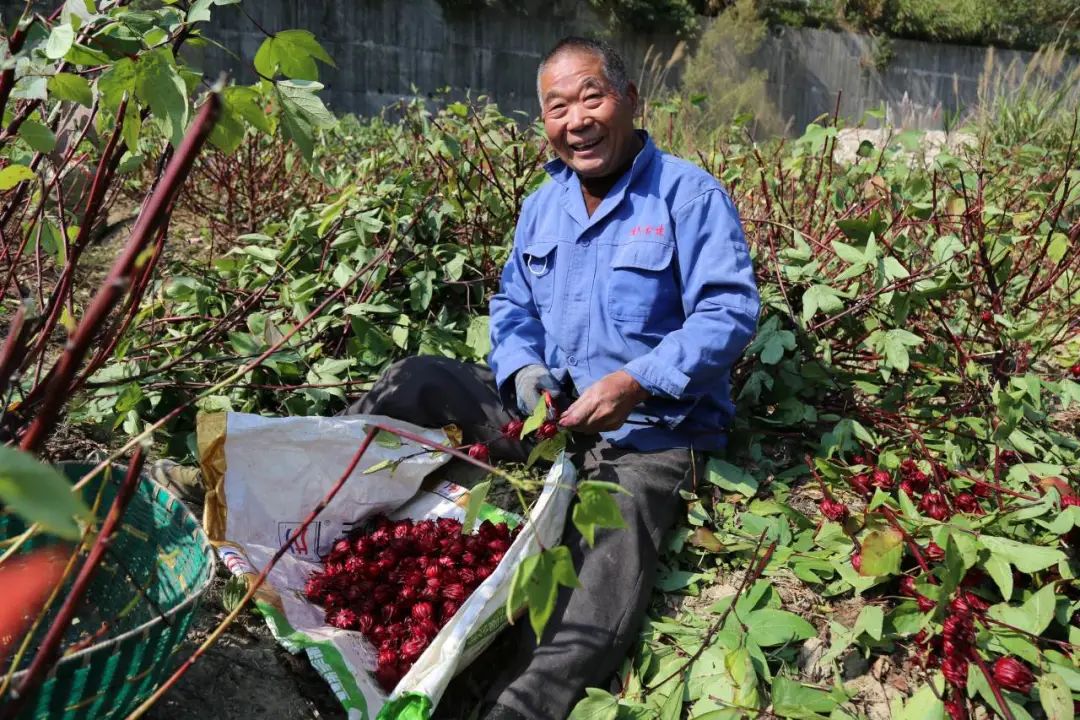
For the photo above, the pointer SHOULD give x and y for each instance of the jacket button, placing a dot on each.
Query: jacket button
(572, 360)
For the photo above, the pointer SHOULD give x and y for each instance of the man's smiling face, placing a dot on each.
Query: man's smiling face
(588, 122)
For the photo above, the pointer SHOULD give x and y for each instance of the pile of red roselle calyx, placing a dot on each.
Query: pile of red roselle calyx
(398, 582)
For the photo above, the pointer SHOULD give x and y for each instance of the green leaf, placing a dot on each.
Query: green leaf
(39, 494)
(895, 345)
(116, 81)
(768, 627)
(387, 440)
(14, 174)
(534, 421)
(233, 592)
(72, 88)
(1055, 697)
(820, 297)
(792, 699)
(924, 705)
(881, 552)
(159, 85)
(1026, 558)
(1034, 616)
(293, 52)
(301, 95)
(536, 583)
(596, 705)
(1001, 572)
(477, 496)
(60, 41)
(37, 136)
(731, 478)
(871, 621)
(595, 508)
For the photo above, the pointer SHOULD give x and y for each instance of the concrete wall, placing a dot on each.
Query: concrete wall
(383, 48)
(919, 85)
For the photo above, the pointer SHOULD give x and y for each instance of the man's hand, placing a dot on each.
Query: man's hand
(530, 382)
(605, 405)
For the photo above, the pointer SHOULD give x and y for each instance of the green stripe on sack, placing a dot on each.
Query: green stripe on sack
(410, 706)
(326, 659)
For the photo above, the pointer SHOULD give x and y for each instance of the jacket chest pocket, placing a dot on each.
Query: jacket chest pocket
(642, 285)
(539, 260)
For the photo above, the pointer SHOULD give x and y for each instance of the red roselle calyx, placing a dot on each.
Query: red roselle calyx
(856, 562)
(548, 430)
(933, 552)
(833, 509)
(956, 708)
(479, 451)
(512, 430)
(882, 479)
(399, 582)
(907, 586)
(955, 670)
(966, 502)
(925, 604)
(934, 505)
(1012, 674)
(860, 483)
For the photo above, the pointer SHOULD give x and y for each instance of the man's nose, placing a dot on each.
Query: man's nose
(578, 118)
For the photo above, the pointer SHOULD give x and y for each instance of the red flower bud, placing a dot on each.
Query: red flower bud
(365, 623)
(882, 479)
(976, 603)
(422, 611)
(908, 466)
(966, 502)
(956, 708)
(955, 670)
(412, 649)
(548, 430)
(933, 552)
(919, 480)
(1012, 674)
(921, 637)
(344, 618)
(856, 562)
(833, 509)
(1070, 501)
(925, 604)
(960, 607)
(981, 489)
(860, 483)
(455, 592)
(907, 586)
(512, 430)
(1075, 370)
(479, 451)
(448, 609)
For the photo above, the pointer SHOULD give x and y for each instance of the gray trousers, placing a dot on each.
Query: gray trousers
(593, 626)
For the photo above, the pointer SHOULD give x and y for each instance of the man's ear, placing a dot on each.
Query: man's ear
(632, 96)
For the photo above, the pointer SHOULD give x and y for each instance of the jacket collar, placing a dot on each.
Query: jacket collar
(573, 201)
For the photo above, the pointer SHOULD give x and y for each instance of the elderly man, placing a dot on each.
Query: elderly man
(629, 294)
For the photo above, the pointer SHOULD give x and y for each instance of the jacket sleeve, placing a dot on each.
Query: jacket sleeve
(719, 297)
(517, 336)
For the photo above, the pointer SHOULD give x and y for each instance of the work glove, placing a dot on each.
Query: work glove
(530, 382)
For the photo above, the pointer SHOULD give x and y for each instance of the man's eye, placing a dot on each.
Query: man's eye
(556, 109)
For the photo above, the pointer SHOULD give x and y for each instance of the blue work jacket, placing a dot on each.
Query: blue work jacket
(657, 282)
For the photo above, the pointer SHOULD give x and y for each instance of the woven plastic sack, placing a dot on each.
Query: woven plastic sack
(263, 476)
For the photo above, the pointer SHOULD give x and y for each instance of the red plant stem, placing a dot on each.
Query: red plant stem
(7, 78)
(254, 585)
(150, 220)
(994, 687)
(12, 348)
(421, 440)
(105, 351)
(103, 175)
(50, 646)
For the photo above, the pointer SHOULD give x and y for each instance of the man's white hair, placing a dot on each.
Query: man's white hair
(610, 61)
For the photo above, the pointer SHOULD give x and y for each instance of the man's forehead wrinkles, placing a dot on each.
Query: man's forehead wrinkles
(589, 81)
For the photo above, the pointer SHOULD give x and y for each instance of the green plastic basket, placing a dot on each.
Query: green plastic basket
(147, 591)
